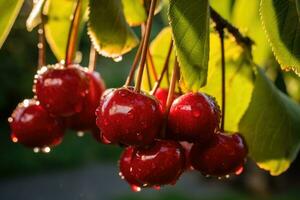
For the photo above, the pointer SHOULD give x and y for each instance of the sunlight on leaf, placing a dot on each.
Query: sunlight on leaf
(134, 12)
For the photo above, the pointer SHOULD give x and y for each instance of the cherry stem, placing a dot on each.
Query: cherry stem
(172, 87)
(136, 59)
(165, 67)
(223, 82)
(73, 34)
(145, 46)
(151, 64)
(93, 59)
(41, 45)
(148, 76)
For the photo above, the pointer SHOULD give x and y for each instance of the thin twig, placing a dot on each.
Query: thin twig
(41, 45)
(172, 87)
(93, 59)
(145, 46)
(148, 76)
(151, 64)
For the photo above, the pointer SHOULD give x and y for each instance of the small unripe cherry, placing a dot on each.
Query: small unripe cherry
(61, 90)
(32, 126)
(193, 117)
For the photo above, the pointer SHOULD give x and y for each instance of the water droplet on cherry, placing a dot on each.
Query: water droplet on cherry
(80, 133)
(239, 170)
(135, 188)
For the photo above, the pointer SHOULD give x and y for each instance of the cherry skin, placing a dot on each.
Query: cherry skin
(187, 149)
(162, 95)
(160, 164)
(193, 118)
(128, 117)
(32, 126)
(61, 90)
(224, 155)
(86, 119)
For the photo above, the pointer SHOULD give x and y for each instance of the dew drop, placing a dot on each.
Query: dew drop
(135, 188)
(40, 31)
(46, 150)
(36, 150)
(239, 170)
(207, 176)
(80, 133)
(227, 176)
(10, 119)
(40, 45)
(26, 103)
(118, 59)
(14, 139)
(219, 177)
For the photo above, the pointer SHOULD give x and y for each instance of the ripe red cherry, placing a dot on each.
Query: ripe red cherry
(32, 126)
(61, 90)
(127, 117)
(162, 95)
(86, 119)
(187, 150)
(193, 117)
(224, 155)
(160, 164)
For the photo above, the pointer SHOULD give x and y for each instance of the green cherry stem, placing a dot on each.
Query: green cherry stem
(145, 46)
(165, 67)
(73, 34)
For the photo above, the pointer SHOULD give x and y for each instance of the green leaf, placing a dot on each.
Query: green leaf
(108, 29)
(223, 7)
(134, 12)
(246, 17)
(271, 127)
(190, 27)
(239, 80)
(159, 48)
(9, 12)
(59, 14)
(35, 17)
(281, 20)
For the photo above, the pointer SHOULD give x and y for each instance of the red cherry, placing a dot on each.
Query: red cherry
(32, 126)
(193, 117)
(127, 117)
(160, 164)
(187, 149)
(224, 155)
(86, 119)
(162, 95)
(61, 90)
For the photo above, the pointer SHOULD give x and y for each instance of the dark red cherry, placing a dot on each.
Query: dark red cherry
(32, 126)
(224, 155)
(187, 149)
(193, 117)
(162, 95)
(127, 117)
(61, 90)
(160, 164)
(86, 119)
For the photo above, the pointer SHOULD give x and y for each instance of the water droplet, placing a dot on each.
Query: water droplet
(40, 31)
(80, 133)
(156, 187)
(196, 113)
(26, 103)
(10, 120)
(207, 176)
(121, 175)
(118, 59)
(135, 188)
(227, 176)
(46, 150)
(14, 139)
(219, 177)
(239, 170)
(145, 185)
(36, 150)
(40, 45)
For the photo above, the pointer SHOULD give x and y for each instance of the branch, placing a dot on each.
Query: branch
(222, 23)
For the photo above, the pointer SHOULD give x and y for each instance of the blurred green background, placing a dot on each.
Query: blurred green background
(81, 168)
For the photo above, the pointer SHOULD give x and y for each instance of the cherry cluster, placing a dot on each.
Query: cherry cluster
(161, 145)
(65, 97)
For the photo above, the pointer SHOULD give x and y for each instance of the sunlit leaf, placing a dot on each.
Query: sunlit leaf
(189, 20)
(59, 14)
(281, 20)
(9, 11)
(223, 7)
(108, 28)
(134, 12)
(271, 127)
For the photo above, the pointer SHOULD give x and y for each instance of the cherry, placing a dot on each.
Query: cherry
(224, 155)
(162, 95)
(128, 117)
(187, 149)
(160, 164)
(86, 119)
(61, 90)
(193, 117)
(32, 126)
